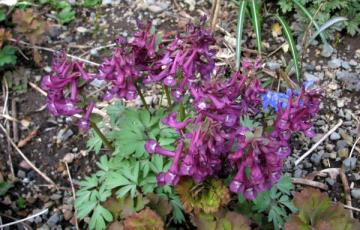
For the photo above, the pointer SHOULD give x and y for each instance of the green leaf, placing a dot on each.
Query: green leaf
(89, 182)
(91, 3)
(262, 202)
(85, 208)
(66, 15)
(94, 143)
(125, 190)
(256, 21)
(2, 15)
(285, 185)
(292, 45)
(99, 217)
(326, 25)
(308, 15)
(7, 56)
(114, 111)
(239, 31)
(4, 187)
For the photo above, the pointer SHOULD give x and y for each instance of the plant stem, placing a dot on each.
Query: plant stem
(168, 97)
(102, 136)
(182, 111)
(141, 96)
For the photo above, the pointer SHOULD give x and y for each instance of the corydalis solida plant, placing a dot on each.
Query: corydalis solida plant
(220, 136)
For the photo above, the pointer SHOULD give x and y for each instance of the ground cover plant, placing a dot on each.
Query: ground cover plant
(210, 152)
(210, 133)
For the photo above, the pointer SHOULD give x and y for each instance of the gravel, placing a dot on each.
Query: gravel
(349, 164)
(54, 220)
(355, 193)
(335, 136)
(334, 63)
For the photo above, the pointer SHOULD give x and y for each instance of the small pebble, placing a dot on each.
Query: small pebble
(335, 136)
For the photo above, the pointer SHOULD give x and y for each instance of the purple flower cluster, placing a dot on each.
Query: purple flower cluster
(65, 75)
(221, 137)
(217, 142)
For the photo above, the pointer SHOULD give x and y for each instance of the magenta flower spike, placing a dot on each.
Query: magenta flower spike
(84, 123)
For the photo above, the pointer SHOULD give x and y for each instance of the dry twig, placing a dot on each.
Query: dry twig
(73, 191)
(14, 123)
(215, 13)
(319, 142)
(25, 219)
(26, 159)
(311, 183)
(28, 138)
(346, 190)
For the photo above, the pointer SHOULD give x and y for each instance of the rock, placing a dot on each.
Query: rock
(38, 220)
(68, 214)
(340, 103)
(298, 173)
(329, 147)
(106, 2)
(44, 227)
(21, 174)
(94, 52)
(341, 144)
(81, 29)
(54, 31)
(357, 53)
(330, 181)
(356, 176)
(64, 134)
(332, 155)
(310, 77)
(23, 164)
(53, 220)
(334, 63)
(315, 158)
(273, 66)
(349, 164)
(55, 196)
(191, 4)
(345, 65)
(69, 158)
(353, 62)
(327, 50)
(98, 83)
(158, 7)
(355, 193)
(343, 153)
(335, 136)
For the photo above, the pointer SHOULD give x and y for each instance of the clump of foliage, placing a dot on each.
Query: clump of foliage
(145, 219)
(324, 10)
(205, 197)
(271, 206)
(210, 131)
(28, 24)
(317, 211)
(221, 220)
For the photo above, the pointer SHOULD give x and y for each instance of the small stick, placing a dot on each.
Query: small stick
(309, 183)
(73, 192)
(25, 219)
(28, 138)
(25, 158)
(346, 190)
(351, 208)
(215, 13)
(37, 88)
(275, 51)
(53, 51)
(7, 117)
(14, 123)
(354, 146)
(319, 142)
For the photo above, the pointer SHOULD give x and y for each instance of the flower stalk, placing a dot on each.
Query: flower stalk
(102, 136)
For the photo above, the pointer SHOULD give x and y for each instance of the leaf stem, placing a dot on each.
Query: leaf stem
(182, 111)
(141, 96)
(168, 97)
(101, 135)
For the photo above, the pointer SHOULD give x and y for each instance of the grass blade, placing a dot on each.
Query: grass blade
(239, 31)
(326, 25)
(255, 18)
(292, 45)
(312, 21)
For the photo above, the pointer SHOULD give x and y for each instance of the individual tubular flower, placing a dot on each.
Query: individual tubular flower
(64, 75)
(170, 120)
(84, 123)
(171, 177)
